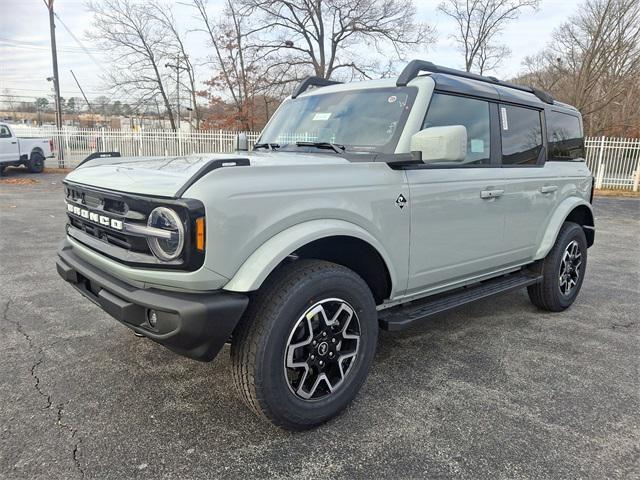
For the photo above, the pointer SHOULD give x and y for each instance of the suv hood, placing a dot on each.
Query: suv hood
(167, 176)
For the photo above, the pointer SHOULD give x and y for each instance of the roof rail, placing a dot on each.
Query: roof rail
(414, 67)
(304, 85)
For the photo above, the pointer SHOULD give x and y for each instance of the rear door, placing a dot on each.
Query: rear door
(457, 227)
(9, 149)
(532, 188)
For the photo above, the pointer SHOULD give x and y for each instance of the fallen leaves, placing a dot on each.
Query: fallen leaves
(18, 181)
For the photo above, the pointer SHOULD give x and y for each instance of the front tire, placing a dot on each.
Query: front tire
(305, 345)
(36, 163)
(563, 270)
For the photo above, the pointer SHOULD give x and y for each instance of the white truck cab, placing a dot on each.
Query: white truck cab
(28, 151)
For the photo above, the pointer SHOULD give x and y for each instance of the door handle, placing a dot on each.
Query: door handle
(13, 143)
(548, 189)
(491, 193)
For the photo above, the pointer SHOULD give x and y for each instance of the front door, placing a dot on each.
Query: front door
(9, 150)
(457, 209)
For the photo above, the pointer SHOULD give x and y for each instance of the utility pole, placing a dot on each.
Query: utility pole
(177, 68)
(56, 79)
(54, 57)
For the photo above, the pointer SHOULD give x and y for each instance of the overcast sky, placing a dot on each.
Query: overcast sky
(25, 55)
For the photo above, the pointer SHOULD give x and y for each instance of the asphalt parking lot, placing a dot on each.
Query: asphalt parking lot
(493, 390)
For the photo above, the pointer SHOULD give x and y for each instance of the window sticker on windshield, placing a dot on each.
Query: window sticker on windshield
(392, 99)
(320, 117)
(477, 145)
(505, 123)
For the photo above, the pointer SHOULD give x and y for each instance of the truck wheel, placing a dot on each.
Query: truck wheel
(304, 347)
(563, 270)
(36, 163)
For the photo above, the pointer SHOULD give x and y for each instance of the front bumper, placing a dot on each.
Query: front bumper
(195, 325)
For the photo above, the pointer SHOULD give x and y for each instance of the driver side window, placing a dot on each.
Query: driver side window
(473, 114)
(5, 132)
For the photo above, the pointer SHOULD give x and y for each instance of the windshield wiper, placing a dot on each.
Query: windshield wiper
(333, 146)
(270, 146)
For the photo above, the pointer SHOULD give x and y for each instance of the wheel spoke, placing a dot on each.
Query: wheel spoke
(321, 378)
(342, 358)
(291, 349)
(320, 312)
(343, 308)
(344, 333)
(300, 391)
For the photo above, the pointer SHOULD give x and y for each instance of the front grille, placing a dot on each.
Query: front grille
(128, 242)
(90, 206)
(100, 204)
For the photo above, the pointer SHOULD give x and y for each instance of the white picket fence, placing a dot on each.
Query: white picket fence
(615, 162)
(72, 145)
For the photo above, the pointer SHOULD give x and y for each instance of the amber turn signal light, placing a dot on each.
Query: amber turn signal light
(200, 229)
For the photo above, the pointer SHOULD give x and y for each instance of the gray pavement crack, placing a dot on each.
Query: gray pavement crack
(33, 371)
(40, 354)
(74, 432)
(623, 325)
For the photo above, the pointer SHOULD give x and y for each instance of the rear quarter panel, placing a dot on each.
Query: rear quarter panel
(542, 220)
(574, 181)
(531, 214)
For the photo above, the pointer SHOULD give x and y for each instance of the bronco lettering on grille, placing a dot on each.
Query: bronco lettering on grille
(95, 217)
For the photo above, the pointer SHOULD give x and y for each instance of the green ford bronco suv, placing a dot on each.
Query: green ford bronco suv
(363, 206)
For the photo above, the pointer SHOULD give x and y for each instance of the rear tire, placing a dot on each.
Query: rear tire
(563, 270)
(36, 163)
(290, 365)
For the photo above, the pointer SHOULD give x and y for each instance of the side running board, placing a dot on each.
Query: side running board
(403, 316)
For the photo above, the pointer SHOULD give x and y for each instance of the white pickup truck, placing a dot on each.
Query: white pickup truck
(28, 151)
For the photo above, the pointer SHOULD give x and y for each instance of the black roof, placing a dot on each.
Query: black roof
(466, 83)
(457, 81)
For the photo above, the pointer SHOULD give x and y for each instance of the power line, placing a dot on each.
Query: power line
(86, 50)
(38, 46)
(34, 48)
(102, 92)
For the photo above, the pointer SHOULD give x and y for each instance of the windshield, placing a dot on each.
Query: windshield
(365, 121)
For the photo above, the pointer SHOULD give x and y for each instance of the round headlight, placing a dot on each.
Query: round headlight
(166, 248)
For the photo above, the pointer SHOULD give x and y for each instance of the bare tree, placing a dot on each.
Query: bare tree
(479, 25)
(163, 13)
(330, 37)
(139, 46)
(241, 71)
(593, 63)
(9, 101)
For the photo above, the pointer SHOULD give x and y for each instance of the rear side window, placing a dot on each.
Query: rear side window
(521, 131)
(473, 114)
(564, 134)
